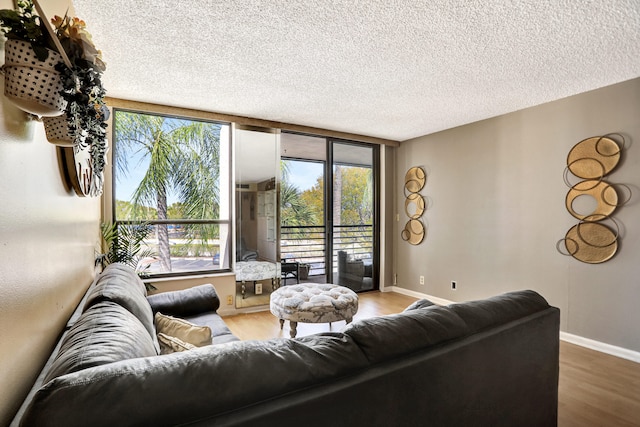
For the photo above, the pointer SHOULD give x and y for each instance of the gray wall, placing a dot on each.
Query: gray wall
(497, 210)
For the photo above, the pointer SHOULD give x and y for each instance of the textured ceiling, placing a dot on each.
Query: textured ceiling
(387, 68)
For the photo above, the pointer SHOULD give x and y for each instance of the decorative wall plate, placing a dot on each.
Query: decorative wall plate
(79, 169)
(415, 179)
(591, 242)
(413, 232)
(593, 157)
(593, 200)
(604, 194)
(414, 205)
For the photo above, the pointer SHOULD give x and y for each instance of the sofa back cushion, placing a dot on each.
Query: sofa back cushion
(386, 337)
(423, 325)
(192, 386)
(499, 309)
(118, 283)
(104, 333)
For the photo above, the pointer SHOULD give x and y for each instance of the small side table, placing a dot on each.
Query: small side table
(290, 270)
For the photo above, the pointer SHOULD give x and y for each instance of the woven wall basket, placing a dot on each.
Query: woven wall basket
(57, 130)
(32, 85)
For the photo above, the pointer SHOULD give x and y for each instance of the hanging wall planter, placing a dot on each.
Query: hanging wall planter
(53, 68)
(32, 85)
(57, 130)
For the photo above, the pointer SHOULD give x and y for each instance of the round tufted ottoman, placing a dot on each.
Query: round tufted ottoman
(313, 303)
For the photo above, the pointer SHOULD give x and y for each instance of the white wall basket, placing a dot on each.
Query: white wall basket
(32, 85)
(57, 130)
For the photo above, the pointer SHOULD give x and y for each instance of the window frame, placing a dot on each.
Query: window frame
(228, 222)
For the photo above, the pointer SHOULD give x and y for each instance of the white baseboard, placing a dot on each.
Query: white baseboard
(419, 295)
(613, 350)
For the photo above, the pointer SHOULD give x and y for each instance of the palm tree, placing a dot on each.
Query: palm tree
(182, 158)
(293, 210)
(124, 243)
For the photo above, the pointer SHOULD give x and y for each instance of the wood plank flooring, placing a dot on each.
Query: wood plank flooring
(263, 325)
(595, 389)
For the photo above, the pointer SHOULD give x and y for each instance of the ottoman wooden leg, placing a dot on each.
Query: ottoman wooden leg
(281, 323)
(349, 320)
(293, 331)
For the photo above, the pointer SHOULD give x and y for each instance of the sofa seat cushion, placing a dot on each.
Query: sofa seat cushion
(103, 334)
(220, 332)
(120, 284)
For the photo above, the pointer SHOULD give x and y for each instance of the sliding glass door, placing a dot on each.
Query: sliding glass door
(302, 202)
(352, 215)
(328, 211)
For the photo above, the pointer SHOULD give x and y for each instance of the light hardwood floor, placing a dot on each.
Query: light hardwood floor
(595, 389)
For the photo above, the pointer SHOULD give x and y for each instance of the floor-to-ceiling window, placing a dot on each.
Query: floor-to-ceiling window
(302, 206)
(172, 180)
(328, 210)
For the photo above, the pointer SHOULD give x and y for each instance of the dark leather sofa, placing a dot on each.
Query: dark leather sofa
(492, 362)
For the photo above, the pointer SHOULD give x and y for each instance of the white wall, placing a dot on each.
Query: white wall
(497, 210)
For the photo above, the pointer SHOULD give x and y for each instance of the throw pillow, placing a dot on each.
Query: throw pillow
(169, 344)
(186, 331)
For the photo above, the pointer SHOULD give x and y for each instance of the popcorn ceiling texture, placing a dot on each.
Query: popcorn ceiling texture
(387, 68)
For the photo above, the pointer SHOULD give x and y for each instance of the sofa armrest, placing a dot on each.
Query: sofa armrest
(187, 302)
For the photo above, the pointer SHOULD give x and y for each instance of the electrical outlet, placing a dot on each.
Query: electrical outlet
(258, 288)
(229, 299)
(422, 280)
(454, 285)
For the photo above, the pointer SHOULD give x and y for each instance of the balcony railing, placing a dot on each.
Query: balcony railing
(306, 244)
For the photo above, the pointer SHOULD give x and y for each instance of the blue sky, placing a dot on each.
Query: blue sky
(125, 187)
(304, 175)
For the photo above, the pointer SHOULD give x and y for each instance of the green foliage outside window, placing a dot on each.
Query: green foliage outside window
(175, 166)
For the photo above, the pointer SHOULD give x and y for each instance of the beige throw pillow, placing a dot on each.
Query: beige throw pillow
(183, 330)
(170, 344)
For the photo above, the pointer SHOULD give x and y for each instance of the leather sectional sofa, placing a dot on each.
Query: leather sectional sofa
(492, 362)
